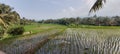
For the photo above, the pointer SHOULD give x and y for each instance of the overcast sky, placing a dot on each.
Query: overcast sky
(46, 9)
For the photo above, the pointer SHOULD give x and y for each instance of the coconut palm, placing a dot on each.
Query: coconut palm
(97, 5)
(5, 9)
(3, 24)
(8, 17)
(3, 27)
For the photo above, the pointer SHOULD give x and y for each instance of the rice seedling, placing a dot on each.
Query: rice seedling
(23, 45)
(71, 41)
(83, 41)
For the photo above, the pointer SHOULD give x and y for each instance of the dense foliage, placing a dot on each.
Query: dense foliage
(8, 18)
(16, 31)
(25, 21)
(97, 21)
(8, 15)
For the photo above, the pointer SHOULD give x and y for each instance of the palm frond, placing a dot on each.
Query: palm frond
(97, 5)
(2, 23)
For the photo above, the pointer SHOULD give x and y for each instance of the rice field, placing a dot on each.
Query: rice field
(22, 45)
(84, 41)
(71, 41)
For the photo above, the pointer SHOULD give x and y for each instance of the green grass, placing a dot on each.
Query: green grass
(36, 28)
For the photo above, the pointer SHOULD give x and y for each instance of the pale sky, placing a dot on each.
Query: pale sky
(46, 9)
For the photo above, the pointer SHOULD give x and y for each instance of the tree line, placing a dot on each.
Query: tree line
(97, 21)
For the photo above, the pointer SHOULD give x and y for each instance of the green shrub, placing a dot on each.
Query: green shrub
(72, 26)
(16, 30)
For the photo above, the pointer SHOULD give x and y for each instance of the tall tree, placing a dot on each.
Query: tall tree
(8, 17)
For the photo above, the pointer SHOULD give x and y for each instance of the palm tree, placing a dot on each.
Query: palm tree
(97, 5)
(3, 27)
(8, 17)
(3, 24)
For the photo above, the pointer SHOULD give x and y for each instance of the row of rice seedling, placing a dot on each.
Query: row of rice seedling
(84, 41)
(62, 44)
(22, 45)
(102, 41)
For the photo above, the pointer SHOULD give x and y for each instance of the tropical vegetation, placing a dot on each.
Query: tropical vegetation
(94, 21)
(87, 35)
(97, 5)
